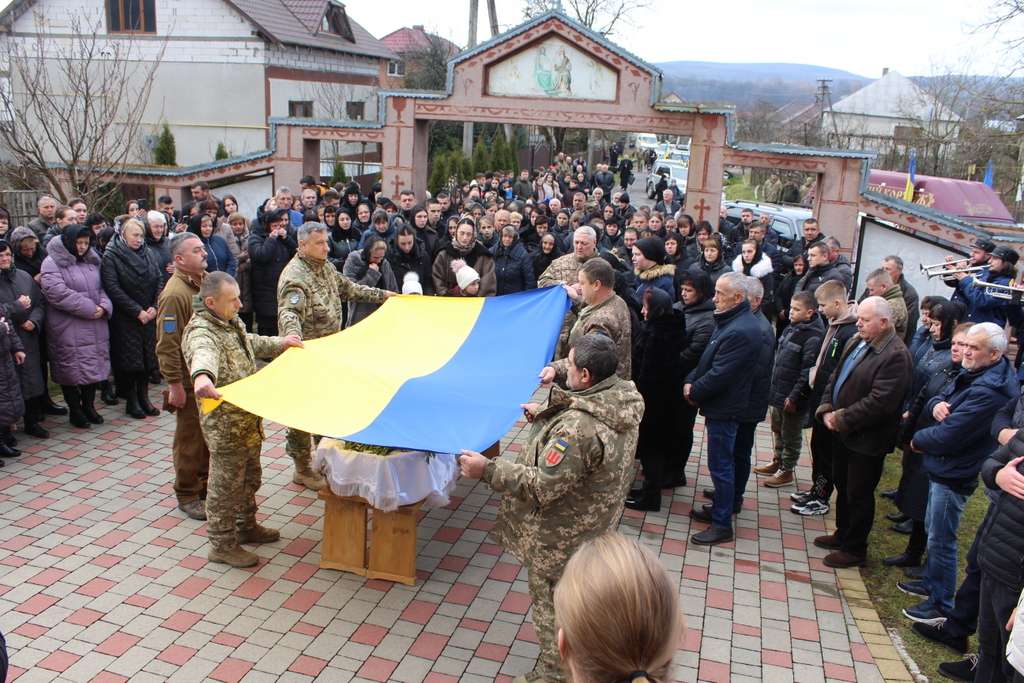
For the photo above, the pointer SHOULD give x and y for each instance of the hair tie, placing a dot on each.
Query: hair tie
(637, 674)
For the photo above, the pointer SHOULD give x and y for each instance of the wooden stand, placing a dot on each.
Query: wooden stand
(392, 554)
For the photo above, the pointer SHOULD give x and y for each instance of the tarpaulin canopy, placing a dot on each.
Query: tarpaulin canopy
(972, 201)
(424, 373)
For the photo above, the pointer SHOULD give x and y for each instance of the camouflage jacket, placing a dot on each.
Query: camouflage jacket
(572, 476)
(894, 295)
(610, 318)
(310, 296)
(227, 353)
(564, 270)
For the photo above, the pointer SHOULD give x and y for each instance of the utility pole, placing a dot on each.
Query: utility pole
(823, 97)
(474, 11)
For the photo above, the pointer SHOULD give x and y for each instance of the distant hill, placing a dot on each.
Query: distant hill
(744, 84)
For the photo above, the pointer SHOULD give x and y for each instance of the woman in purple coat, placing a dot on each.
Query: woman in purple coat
(77, 337)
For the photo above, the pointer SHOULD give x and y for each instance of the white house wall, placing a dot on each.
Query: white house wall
(213, 84)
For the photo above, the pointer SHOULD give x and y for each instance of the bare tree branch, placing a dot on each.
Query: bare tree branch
(75, 105)
(603, 16)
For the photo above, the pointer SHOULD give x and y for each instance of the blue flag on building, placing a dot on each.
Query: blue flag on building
(988, 175)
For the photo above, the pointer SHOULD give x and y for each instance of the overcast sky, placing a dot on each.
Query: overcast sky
(860, 37)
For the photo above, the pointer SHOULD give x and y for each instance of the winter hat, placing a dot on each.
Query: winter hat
(464, 275)
(1006, 253)
(652, 248)
(624, 197)
(411, 283)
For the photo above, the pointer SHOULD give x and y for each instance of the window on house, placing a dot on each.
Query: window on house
(336, 22)
(300, 110)
(131, 16)
(355, 110)
(396, 68)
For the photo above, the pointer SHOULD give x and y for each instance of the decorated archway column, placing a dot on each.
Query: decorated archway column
(707, 159)
(400, 146)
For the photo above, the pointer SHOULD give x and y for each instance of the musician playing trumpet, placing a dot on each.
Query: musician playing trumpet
(982, 306)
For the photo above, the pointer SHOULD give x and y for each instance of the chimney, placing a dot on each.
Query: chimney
(420, 29)
(885, 71)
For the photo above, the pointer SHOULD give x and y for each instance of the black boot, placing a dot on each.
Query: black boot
(48, 407)
(106, 395)
(8, 452)
(7, 438)
(33, 416)
(88, 393)
(126, 381)
(73, 398)
(142, 391)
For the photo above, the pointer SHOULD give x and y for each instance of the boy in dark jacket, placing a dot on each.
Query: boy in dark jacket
(798, 350)
(842, 325)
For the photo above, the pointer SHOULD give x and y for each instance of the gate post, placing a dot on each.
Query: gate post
(707, 165)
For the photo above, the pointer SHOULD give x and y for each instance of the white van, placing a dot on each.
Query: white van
(646, 141)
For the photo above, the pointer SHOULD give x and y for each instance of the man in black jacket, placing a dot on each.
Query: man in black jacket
(820, 270)
(1000, 557)
(720, 386)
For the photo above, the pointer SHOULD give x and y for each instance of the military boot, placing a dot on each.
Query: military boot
(232, 554)
(308, 478)
(257, 534)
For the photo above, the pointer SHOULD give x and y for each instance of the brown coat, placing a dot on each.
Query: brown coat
(173, 311)
(869, 406)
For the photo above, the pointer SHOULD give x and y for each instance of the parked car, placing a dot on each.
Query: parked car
(646, 141)
(787, 221)
(673, 170)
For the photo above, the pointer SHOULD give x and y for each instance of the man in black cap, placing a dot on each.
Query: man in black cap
(982, 307)
(981, 252)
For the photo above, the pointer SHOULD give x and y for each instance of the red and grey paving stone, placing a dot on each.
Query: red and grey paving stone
(103, 580)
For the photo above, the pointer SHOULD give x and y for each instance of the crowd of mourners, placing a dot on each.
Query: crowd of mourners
(718, 319)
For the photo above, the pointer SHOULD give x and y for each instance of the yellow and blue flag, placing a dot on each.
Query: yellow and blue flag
(908, 192)
(423, 373)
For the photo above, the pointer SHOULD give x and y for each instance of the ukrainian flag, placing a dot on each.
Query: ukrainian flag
(424, 373)
(908, 191)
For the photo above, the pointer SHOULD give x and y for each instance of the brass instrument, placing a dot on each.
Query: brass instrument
(1010, 293)
(942, 272)
(940, 268)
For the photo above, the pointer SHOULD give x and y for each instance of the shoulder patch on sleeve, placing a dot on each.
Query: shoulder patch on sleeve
(556, 454)
(294, 298)
(170, 324)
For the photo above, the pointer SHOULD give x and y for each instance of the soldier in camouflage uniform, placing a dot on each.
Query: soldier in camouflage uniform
(564, 270)
(310, 301)
(601, 311)
(219, 351)
(569, 481)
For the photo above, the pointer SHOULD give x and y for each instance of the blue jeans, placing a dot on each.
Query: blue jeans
(742, 456)
(945, 507)
(721, 437)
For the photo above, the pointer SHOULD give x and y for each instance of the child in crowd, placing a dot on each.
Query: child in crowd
(468, 279)
(797, 350)
(842, 325)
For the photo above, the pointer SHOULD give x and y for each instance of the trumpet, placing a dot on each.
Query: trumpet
(1010, 293)
(942, 272)
(940, 268)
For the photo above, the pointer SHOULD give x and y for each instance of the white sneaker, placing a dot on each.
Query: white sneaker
(811, 507)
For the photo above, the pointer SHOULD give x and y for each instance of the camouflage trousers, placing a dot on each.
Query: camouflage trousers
(297, 446)
(235, 477)
(542, 593)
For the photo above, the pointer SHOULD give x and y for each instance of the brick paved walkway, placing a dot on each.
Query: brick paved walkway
(101, 579)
